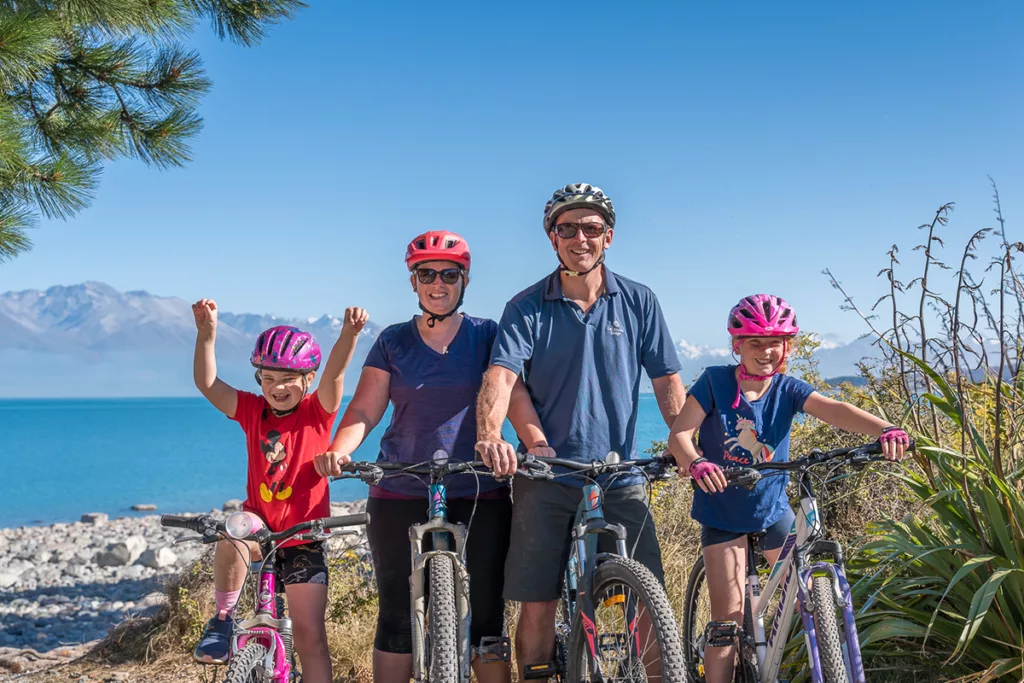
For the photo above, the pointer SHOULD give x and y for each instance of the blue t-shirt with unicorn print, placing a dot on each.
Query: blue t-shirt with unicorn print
(753, 432)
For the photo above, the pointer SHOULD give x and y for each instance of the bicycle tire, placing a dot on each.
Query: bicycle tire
(639, 579)
(442, 622)
(692, 659)
(247, 665)
(826, 626)
(746, 668)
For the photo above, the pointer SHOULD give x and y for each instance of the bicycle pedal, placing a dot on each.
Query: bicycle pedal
(721, 633)
(494, 649)
(542, 671)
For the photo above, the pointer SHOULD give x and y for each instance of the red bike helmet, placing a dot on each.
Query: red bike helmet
(438, 245)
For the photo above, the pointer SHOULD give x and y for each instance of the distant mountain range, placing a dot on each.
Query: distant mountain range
(90, 340)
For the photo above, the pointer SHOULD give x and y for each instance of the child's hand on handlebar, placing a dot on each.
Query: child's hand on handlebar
(894, 443)
(329, 464)
(708, 475)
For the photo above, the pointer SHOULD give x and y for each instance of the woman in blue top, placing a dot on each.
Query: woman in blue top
(430, 368)
(744, 414)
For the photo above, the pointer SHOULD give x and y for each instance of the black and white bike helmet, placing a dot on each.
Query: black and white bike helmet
(578, 196)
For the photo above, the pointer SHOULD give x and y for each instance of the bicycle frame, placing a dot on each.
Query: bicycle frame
(792, 574)
(266, 626)
(583, 560)
(439, 529)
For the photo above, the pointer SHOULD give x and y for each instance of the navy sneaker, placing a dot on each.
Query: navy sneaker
(215, 643)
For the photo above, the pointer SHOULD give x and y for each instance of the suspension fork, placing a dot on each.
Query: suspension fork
(440, 531)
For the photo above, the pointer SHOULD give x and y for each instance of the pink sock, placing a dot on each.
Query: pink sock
(225, 601)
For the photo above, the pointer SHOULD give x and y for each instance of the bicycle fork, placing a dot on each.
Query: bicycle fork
(841, 590)
(438, 527)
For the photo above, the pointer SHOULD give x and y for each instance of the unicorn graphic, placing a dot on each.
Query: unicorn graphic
(747, 440)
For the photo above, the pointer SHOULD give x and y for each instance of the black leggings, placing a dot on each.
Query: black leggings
(388, 534)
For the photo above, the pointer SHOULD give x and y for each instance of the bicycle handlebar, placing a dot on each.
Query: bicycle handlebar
(857, 456)
(213, 530)
(656, 465)
(372, 472)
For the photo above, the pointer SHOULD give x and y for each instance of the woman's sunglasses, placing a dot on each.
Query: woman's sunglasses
(449, 276)
(568, 230)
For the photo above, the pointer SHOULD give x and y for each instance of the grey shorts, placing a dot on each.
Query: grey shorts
(542, 517)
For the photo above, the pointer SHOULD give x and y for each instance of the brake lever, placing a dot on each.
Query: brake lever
(748, 479)
(185, 539)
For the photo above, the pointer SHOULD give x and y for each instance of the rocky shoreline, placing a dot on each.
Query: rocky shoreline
(65, 585)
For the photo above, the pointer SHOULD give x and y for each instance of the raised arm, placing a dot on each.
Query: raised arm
(361, 416)
(332, 382)
(222, 395)
(492, 405)
(671, 395)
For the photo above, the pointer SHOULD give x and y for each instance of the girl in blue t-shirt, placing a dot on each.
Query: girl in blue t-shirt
(744, 414)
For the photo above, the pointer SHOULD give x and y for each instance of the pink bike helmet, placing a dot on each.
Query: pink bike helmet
(286, 348)
(762, 315)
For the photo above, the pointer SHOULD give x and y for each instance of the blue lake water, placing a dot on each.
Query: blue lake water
(65, 457)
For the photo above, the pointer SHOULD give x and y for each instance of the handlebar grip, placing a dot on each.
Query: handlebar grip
(358, 519)
(176, 521)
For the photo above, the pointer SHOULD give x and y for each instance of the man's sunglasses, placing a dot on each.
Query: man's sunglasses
(568, 230)
(449, 276)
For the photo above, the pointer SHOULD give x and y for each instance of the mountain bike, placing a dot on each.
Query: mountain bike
(441, 615)
(261, 646)
(613, 621)
(809, 575)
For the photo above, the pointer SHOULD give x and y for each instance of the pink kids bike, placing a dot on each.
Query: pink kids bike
(261, 646)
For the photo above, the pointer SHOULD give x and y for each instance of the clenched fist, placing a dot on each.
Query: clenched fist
(205, 312)
(355, 320)
(329, 464)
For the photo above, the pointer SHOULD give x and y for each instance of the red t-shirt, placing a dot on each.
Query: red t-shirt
(282, 487)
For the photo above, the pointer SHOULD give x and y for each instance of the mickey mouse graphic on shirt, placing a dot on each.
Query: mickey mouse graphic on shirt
(275, 453)
(746, 439)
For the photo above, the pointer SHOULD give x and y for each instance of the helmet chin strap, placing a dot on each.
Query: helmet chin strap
(579, 273)
(434, 318)
(747, 377)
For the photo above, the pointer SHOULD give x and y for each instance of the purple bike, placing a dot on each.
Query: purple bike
(261, 646)
(808, 575)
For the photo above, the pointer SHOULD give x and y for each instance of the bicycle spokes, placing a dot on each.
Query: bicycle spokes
(625, 646)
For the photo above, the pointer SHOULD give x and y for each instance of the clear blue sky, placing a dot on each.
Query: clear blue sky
(747, 146)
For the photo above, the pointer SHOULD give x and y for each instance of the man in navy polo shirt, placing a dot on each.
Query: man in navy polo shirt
(579, 338)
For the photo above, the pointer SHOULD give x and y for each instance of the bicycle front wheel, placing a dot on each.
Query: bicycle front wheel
(826, 627)
(634, 636)
(442, 622)
(247, 665)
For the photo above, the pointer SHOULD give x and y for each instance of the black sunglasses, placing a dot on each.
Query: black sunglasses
(449, 276)
(568, 230)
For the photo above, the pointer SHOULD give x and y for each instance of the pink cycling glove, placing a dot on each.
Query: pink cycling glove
(894, 434)
(702, 467)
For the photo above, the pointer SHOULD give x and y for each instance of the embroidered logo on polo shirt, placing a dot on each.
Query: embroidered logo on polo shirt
(614, 328)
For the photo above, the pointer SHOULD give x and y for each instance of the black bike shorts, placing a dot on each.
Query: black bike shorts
(486, 548)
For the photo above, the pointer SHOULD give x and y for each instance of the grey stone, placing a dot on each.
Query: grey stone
(117, 556)
(233, 505)
(95, 518)
(133, 572)
(158, 558)
(8, 578)
(143, 507)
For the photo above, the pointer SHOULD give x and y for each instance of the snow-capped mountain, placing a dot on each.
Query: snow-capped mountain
(90, 340)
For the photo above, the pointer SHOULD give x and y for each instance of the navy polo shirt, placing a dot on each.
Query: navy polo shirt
(583, 369)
